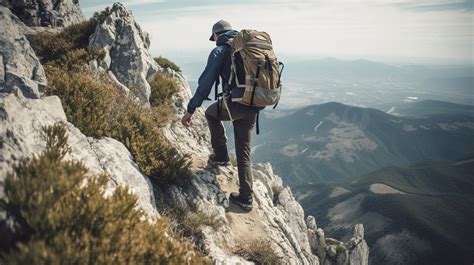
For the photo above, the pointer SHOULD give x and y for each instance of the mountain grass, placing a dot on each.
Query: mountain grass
(166, 63)
(259, 252)
(49, 47)
(98, 107)
(65, 216)
(188, 222)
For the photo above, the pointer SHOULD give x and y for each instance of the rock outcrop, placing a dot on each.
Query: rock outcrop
(69, 11)
(23, 114)
(21, 132)
(48, 13)
(20, 69)
(127, 58)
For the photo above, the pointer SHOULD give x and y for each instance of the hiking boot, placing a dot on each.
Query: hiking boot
(220, 161)
(244, 203)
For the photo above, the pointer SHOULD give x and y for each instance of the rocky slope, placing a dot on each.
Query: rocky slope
(277, 218)
(65, 12)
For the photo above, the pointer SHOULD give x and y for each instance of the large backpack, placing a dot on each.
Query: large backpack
(255, 69)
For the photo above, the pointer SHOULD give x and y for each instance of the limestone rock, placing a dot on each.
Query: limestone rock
(20, 69)
(316, 237)
(195, 140)
(358, 248)
(126, 46)
(21, 123)
(69, 11)
(334, 252)
(52, 13)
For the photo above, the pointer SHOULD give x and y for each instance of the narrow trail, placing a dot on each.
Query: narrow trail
(246, 226)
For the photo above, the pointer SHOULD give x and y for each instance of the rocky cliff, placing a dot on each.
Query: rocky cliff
(277, 219)
(51, 13)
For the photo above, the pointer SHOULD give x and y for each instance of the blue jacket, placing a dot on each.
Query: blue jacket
(218, 63)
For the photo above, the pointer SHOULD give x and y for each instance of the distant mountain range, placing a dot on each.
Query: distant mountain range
(362, 82)
(432, 107)
(336, 68)
(333, 142)
(420, 214)
(409, 177)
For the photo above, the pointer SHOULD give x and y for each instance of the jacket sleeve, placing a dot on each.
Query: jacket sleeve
(207, 78)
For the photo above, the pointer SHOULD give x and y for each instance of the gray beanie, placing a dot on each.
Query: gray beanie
(220, 26)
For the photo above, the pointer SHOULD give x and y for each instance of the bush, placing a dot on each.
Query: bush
(66, 218)
(258, 251)
(50, 47)
(166, 63)
(188, 221)
(99, 108)
(163, 87)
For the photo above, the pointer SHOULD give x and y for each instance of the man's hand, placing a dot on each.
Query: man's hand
(186, 120)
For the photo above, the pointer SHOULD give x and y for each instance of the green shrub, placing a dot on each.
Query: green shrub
(188, 221)
(66, 217)
(166, 63)
(258, 251)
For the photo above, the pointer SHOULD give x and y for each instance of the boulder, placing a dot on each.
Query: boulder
(21, 122)
(48, 13)
(20, 69)
(126, 47)
(69, 12)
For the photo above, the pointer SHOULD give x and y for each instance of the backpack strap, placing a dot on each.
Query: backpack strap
(216, 87)
(281, 71)
(217, 83)
(279, 78)
(257, 123)
(255, 82)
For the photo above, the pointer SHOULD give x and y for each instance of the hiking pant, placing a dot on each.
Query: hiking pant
(244, 118)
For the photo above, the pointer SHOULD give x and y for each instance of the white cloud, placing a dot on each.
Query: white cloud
(324, 27)
(349, 27)
(141, 2)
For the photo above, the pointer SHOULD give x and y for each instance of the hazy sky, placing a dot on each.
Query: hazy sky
(407, 29)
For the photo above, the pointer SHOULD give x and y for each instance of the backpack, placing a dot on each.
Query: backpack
(255, 69)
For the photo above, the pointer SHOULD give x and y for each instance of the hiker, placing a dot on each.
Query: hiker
(243, 117)
(27, 11)
(46, 14)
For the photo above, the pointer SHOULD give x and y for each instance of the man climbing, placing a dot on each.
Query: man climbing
(243, 117)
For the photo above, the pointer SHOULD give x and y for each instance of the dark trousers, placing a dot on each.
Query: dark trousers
(244, 118)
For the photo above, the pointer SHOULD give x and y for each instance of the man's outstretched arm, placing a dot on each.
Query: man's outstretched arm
(205, 82)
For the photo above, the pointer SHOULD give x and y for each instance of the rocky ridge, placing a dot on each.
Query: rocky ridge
(123, 40)
(277, 217)
(35, 13)
(20, 69)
